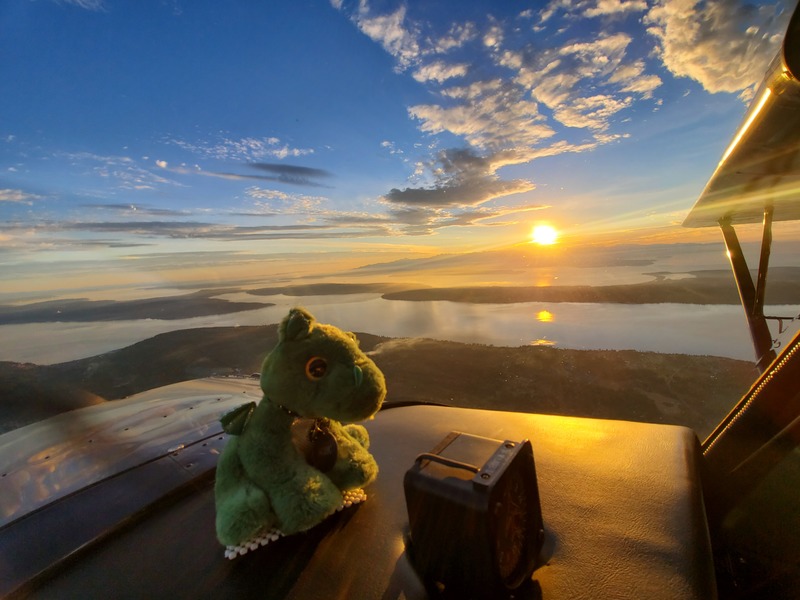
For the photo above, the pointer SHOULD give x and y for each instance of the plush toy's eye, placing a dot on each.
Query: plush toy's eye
(316, 368)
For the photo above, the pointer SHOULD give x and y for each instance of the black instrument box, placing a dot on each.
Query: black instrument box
(474, 513)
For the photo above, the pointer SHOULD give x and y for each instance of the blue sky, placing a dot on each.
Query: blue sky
(229, 131)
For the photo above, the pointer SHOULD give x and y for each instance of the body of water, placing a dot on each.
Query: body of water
(718, 330)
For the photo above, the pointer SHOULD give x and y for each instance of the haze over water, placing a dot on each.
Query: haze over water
(718, 330)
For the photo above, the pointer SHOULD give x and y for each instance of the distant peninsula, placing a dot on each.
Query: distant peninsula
(198, 304)
(331, 288)
(701, 287)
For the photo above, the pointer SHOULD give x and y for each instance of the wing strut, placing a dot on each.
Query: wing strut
(752, 295)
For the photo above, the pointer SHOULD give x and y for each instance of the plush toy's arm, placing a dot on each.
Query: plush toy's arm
(355, 467)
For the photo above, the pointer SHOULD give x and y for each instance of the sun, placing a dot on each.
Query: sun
(544, 235)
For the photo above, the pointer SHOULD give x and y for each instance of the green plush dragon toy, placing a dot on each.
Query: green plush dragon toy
(269, 484)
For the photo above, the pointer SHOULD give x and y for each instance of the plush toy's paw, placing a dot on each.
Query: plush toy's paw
(355, 467)
(359, 433)
(349, 498)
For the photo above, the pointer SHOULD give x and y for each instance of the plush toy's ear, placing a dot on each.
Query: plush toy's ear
(234, 422)
(296, 325)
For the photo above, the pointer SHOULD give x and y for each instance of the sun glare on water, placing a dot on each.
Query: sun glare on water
(544, 316)
(544, 235)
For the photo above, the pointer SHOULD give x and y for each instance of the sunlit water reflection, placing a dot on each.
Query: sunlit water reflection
(671, 328)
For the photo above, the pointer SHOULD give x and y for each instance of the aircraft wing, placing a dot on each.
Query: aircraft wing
(761, 166)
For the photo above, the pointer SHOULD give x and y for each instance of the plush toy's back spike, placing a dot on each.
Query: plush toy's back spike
(234, 422)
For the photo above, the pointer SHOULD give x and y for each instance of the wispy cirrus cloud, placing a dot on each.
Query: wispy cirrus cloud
(18, 196)
(215, 231)
(139, 210)
(277, 202)
(126, 172)
(172, 229)
(95, 5)
(247, 149)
